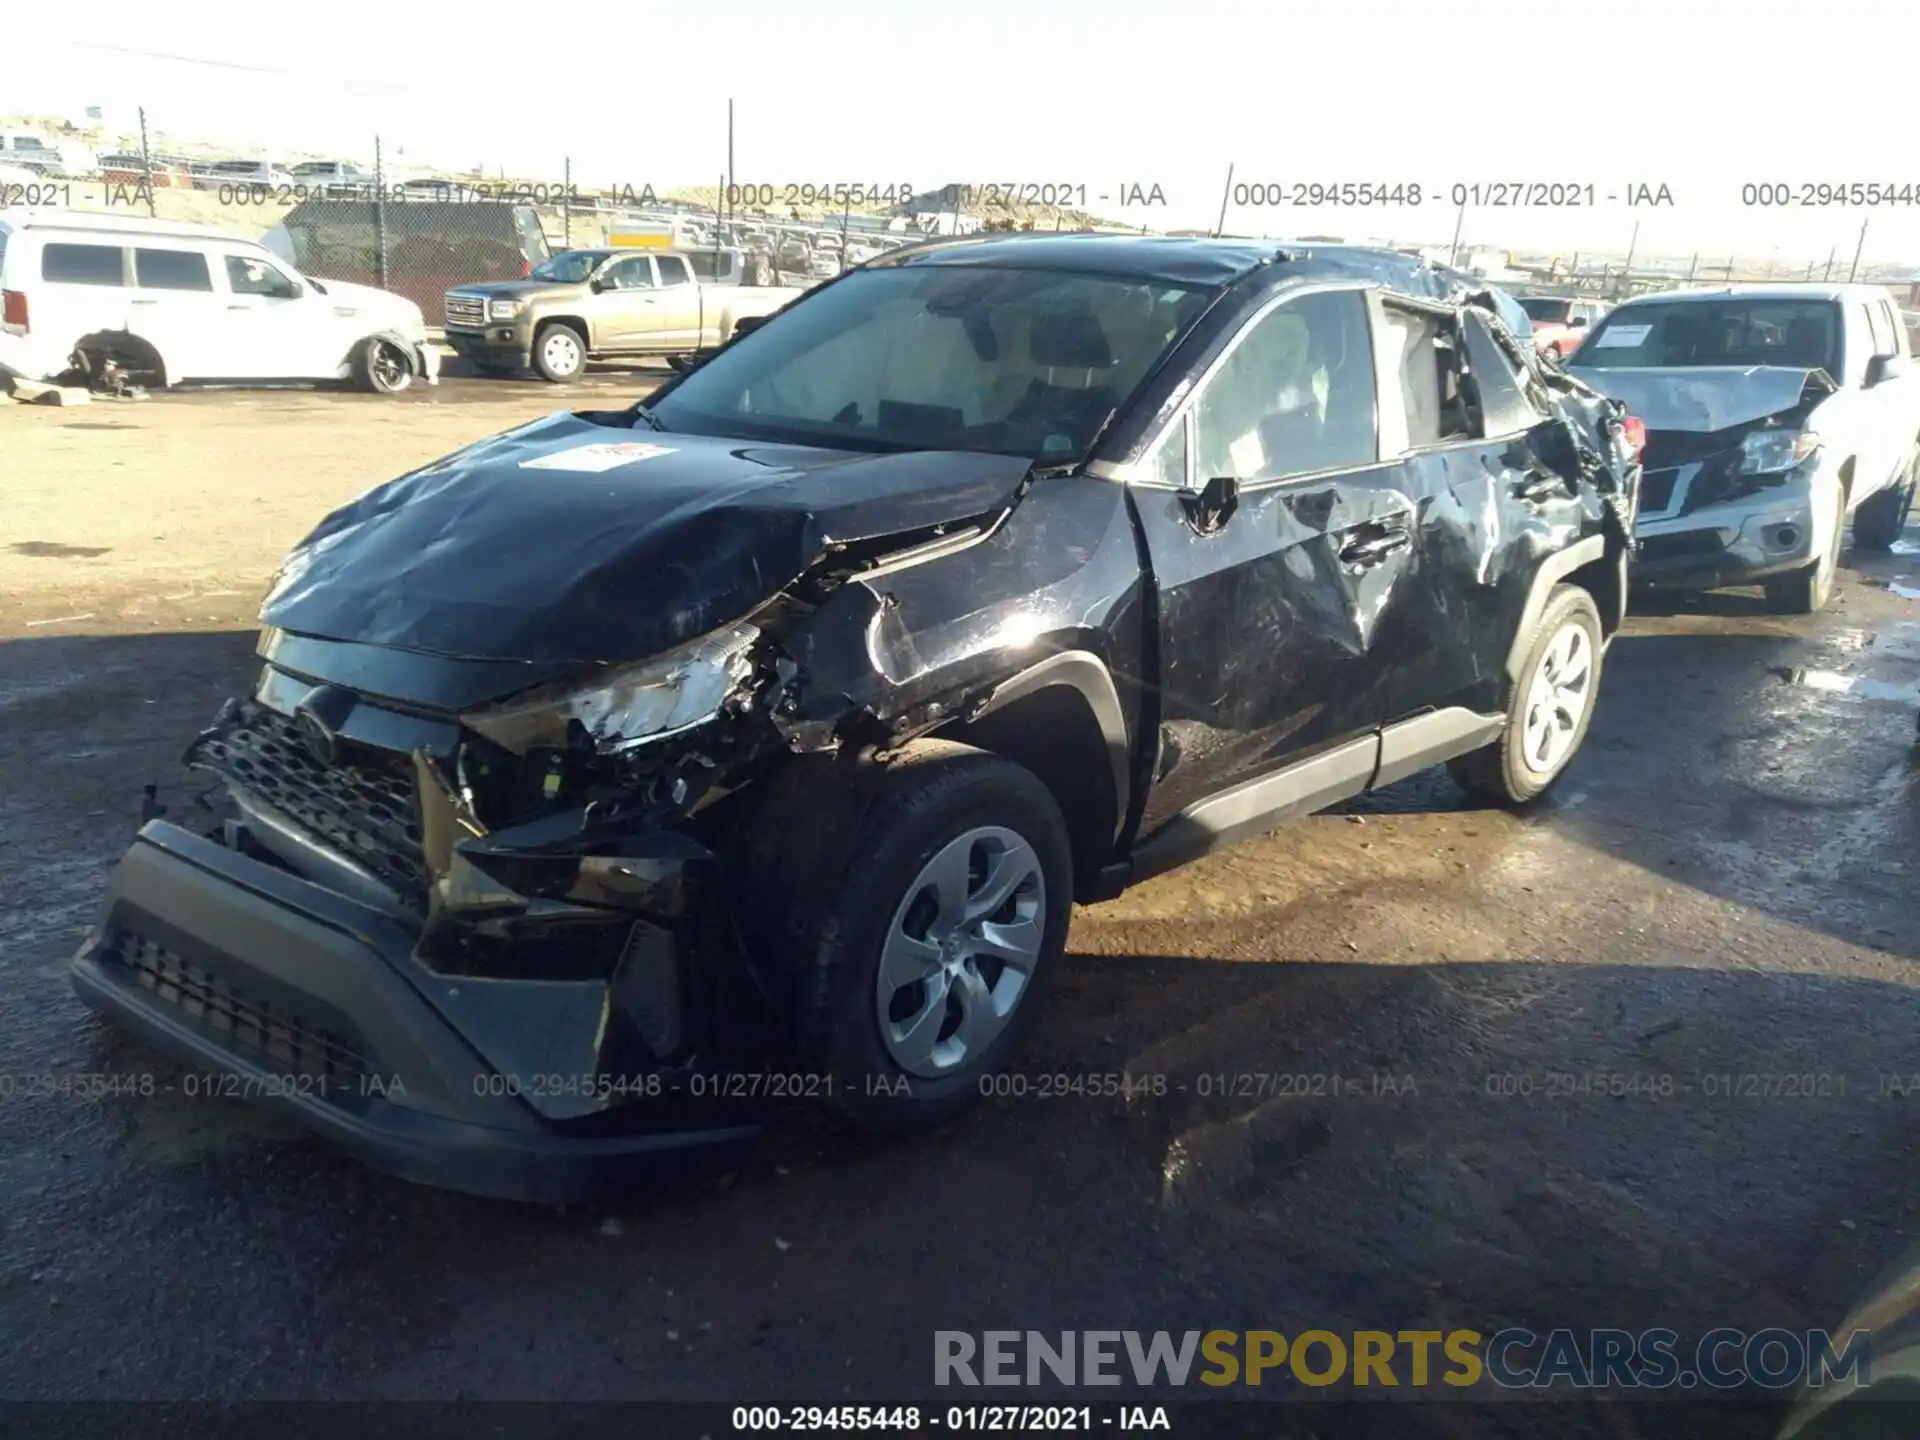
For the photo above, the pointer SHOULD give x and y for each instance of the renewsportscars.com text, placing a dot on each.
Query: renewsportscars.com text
(1511, 1359)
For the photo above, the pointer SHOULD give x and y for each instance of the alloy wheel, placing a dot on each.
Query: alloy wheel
(960, 951)
(1558, 699)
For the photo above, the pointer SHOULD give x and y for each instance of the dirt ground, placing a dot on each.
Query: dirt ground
(1722, 888)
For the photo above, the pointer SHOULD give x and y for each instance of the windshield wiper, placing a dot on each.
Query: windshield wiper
(644, 416)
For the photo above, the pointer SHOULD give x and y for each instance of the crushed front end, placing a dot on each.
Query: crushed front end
(480, 944)
(1735, 477)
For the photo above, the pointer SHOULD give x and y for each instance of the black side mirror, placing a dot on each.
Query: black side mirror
(1885, 367)
(1210, 507)
(596, 285)
(1578, 322)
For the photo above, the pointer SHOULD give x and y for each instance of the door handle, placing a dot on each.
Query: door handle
(1372, 544)
(1541, 486)
(143, 302)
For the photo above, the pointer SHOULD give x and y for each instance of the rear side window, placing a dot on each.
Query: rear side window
(81, 265)
(673, 270)
(1504, 407)
(171, 270)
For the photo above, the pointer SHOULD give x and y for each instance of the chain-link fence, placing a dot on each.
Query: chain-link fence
(418, 232)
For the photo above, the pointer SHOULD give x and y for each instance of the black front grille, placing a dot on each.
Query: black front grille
(1670, 547)
(275, 1038)
(1667, 448)
(365, 805)
(1656, 489)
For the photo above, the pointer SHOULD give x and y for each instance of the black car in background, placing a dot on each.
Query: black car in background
(615, 774)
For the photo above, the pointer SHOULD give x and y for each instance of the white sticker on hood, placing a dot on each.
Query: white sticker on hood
(1621, 337)
(591, 459)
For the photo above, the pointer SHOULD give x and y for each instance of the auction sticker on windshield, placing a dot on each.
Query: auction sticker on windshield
(1623, 337)
(591, 459)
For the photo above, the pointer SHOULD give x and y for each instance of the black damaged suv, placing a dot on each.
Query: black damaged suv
(619, 774)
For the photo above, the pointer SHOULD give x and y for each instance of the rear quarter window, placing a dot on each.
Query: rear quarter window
(81, 265)
(171, 270)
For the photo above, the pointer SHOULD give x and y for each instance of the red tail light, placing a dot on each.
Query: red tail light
(1636, 433)
(13, 310)
(526, 269)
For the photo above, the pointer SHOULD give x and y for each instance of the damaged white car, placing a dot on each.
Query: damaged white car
(110, 299)
(1774, 413)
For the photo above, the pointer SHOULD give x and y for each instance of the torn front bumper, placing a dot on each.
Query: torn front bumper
(1731, 542)
(323, 1007)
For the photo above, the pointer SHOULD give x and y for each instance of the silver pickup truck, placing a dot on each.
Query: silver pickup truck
(1775, 415)
(602, 304)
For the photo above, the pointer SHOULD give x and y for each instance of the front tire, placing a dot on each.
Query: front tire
(382, 365)
(1552, 705)
(559, 353)
(1880, 518)
(1807, 591)
(926, 970)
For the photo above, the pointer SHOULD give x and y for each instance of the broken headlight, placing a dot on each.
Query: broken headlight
(1763, 452)
(628, 705)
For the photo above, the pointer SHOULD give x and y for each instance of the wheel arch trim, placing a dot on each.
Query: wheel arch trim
(1087, 674)
(1552, 571)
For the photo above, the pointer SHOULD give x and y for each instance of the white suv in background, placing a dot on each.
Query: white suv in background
(52, 159)
(169, 302)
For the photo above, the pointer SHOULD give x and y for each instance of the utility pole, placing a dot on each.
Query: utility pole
(727, 197)
(380, 212)
(1626, 270)
(1693, 265)
(1827, 274)
(1226, 193)
(1453, 255)
(1854, 269)
(146, 160)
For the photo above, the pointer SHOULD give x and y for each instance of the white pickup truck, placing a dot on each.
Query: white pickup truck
(601, 304)
(1775, 414)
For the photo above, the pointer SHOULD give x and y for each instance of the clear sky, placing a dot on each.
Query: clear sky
(1700, 97)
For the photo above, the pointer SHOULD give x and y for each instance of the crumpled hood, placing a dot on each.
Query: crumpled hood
(1703, 398)
(569, 541)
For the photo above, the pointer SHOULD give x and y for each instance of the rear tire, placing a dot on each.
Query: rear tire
(947, 828)
(559, 353)
(1552, 705)
(1880, 518)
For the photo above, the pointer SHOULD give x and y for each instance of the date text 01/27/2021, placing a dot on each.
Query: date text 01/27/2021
(1475, 195)
(196, 1085)
(1066, 1419)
